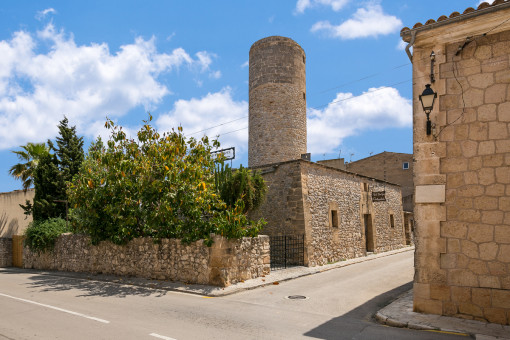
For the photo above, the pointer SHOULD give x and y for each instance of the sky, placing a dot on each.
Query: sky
(186, 62)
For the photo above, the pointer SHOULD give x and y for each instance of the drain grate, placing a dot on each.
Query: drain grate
(297, 297)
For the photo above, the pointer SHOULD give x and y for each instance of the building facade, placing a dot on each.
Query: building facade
(462, 169)
(13, 221)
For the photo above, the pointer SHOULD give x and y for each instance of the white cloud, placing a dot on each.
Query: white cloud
(480, 1)
(42, 14)
(215, 75)
(366, 22)
(84, 82)
(401, 46)
(335, 5)
(245, 64)
(376, 109)
(218, 110)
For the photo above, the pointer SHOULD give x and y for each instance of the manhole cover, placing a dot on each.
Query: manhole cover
(297, 297)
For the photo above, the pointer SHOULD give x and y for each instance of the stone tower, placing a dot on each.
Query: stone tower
(277, 123)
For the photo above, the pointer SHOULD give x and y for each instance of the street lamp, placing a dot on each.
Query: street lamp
(427, 99)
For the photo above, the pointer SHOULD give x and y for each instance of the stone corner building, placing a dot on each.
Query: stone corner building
(462, 169)
(330, 209)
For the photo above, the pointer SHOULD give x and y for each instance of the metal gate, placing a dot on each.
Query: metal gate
(287, 251)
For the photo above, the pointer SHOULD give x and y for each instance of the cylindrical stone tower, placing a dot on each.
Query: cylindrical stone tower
(277, 123)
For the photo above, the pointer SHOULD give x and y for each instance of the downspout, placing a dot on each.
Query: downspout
(413, 37)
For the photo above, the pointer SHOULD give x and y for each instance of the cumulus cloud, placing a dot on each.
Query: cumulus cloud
(42, 14)
(84, 82)
(346, 115)
(370, 21)
(229, 118)
(335, 5)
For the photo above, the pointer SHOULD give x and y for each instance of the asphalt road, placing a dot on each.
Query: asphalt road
(338, 304)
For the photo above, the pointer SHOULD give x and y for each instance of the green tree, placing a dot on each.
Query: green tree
(69, 150)
(49, 186)
(157, 185)
(30, 156)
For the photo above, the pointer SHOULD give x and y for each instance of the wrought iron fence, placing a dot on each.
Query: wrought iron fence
(287, 251)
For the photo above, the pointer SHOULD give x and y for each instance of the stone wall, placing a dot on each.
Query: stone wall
(12, 219)
(5, 252)
(301, 196)
(462, 170)
(277, 103)
(224, 263)
(326, 189)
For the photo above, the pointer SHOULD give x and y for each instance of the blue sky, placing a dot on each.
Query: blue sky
(186, 63)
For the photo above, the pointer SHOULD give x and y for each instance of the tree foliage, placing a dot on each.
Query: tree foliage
(241, 184)
(49, 186)
(41, 235)
(69, 150)
(30, 155)
(157, 185)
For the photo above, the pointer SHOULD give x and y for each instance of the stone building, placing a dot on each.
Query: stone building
(12, 219)
(334, 209)
(462, 168)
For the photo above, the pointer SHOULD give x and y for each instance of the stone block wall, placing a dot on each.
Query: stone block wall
(224, 263)
(326, 189)
(462, 171)
(5, 252)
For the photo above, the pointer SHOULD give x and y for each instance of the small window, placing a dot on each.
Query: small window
(392, 221)
(405, 165)
(334, 218)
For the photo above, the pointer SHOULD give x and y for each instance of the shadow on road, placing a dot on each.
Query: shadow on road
(359, 323)
(88, 284)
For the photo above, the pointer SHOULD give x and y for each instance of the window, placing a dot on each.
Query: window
(334, 218)
(392, 221)
(405, 165)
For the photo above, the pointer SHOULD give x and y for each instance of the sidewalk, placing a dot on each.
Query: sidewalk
(274, 277)
(400, 314)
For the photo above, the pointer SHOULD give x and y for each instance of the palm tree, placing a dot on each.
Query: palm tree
(30, 154)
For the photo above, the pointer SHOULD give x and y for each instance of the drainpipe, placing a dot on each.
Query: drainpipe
(413, 37)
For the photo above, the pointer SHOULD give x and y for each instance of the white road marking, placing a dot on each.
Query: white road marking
(161, 336)
(56, 308)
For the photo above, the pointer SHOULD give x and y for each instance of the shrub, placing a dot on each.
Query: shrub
(159, 186)
(42, 234)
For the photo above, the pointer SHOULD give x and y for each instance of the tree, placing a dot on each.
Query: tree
(69, 150)
(159, 186)
(31, 155)
(49, 186)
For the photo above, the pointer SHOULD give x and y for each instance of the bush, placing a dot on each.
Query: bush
(159, 186)
(42, 234)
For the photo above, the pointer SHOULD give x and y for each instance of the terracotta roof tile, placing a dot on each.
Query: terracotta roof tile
(482, 6)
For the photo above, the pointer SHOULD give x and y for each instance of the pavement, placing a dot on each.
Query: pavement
(398, 313)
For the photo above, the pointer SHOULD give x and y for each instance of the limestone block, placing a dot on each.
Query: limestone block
(463, 203)
(495, 93)
(504, 203)
(469, 215)
(501, 48)
(497, 269)
(498, 130)
(504, 253)
(486, 176)
(468, 67)
(492, 217)
(502, 146)
(495, 64)
(489, 281)
(427, 306)
(470, 249)
(469, 148)
(453, 150)
(481, 80)
(503, 175)
(480, 233)
(486, 147)
(460, 294)
(502, 233)
(495, 315)
(504, 112)
(470, 309)
(475, 163)
(448, 261)
(455, 180)
(421, 290)
(430, 193)
(478, 267)
(487, 112)
(502, 76)
(478, 131)
(481, 297)
(461, 132)
(449, 308)
(440, 292)
(488, 251)
(462, 277)
(483, 52)
(493, 160)
(501, 298)
(454, 229)
(452, 246)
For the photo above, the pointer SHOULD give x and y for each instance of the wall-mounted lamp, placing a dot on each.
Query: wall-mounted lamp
(427, 99)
